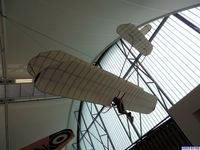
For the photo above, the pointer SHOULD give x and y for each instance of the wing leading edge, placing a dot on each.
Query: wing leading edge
(58, 73)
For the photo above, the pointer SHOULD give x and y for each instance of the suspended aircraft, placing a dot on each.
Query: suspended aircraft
(59, 73)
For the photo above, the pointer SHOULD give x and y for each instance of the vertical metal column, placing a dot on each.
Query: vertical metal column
(96, 126)
(98, 114)
(4, 70)
(87, 131)
(135, 66)
(150, 77)
(105, 129)
(79, 128)
(3, 41)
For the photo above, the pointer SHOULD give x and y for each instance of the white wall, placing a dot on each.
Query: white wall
(31, 121)
(183, 113)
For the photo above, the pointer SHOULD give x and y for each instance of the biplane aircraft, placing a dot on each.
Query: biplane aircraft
(59, 73)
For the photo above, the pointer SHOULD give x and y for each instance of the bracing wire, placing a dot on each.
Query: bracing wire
(108, 108)
(126, 58)
(17, 23)
(135, 69)
(31, 37)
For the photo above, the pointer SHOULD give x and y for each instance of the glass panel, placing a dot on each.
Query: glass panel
(192, 15)
(115, 62)
(173, 64)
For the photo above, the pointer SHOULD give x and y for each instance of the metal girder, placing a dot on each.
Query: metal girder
(145, 72)
(141, 71)
(95, 122)
(187, 22)
(4, 70)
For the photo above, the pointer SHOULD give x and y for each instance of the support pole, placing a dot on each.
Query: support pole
(4, 70)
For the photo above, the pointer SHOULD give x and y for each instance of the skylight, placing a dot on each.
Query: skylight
(170, 72)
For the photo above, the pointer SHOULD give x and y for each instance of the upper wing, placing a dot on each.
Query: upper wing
(135, 37)
(59, 73)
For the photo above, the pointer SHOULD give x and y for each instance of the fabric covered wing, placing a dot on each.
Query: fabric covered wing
(139, 101)
(58, 73)
(136, 38)
(145, 29)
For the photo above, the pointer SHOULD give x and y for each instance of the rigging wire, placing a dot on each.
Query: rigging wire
(126, 58)
(31, 37)
(109, 108)
(17, 23)
(135, 69)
